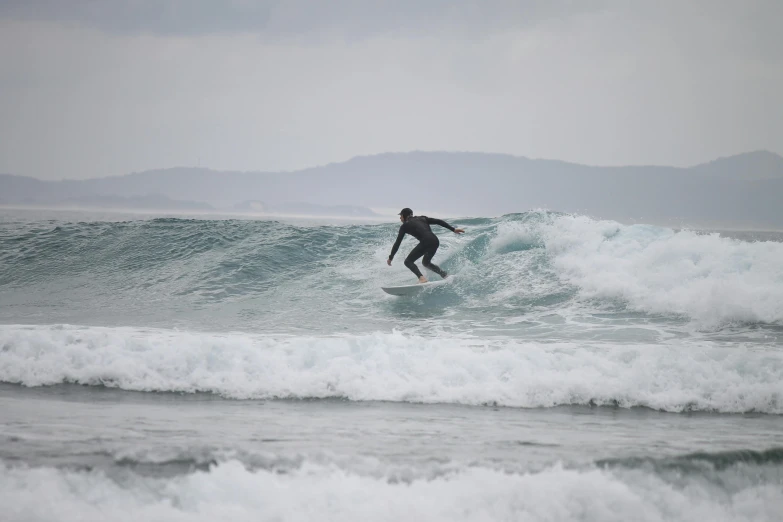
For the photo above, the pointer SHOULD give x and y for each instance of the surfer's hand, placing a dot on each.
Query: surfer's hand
(388, 262)
(459, 231)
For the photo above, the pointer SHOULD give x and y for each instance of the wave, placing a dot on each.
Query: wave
(398, 367)
(705, 277)
(511, 264)
(697, 462)
(157, 461)
(332, 491)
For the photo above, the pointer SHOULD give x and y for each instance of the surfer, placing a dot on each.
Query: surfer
(419, 227)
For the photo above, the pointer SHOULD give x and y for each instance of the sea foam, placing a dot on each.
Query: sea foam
(711, 279)
(673, 376)
(229, 491)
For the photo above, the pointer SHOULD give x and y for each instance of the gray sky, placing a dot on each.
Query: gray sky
(101, 88)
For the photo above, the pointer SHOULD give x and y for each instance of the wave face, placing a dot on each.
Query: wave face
(512, 271)
(399, 367)
(723, 488)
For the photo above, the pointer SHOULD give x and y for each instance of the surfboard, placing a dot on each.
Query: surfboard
(411, 289)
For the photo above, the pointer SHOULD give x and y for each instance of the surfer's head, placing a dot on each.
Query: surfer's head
(405, 213)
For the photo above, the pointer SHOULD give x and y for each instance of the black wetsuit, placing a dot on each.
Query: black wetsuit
(419, 227)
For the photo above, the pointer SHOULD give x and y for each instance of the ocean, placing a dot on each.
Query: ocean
(202, 368)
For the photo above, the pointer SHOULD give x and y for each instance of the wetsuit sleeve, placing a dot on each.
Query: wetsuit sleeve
(397, 243)
(435, 221)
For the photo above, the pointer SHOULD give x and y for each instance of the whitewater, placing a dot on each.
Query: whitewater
(207, 368)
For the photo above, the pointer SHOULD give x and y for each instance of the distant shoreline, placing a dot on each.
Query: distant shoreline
(384, 216)
(737, 192)
(178, 212)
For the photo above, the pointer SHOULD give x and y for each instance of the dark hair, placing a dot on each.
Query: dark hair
(406, 212)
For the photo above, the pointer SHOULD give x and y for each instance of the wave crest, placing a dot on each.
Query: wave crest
(398, 367)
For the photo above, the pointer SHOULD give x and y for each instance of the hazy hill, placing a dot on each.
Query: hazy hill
(742, 189)
(748, 166)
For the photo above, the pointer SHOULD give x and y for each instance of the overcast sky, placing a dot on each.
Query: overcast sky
(93, 88)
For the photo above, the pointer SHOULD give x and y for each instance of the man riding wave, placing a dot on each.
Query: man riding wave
(419, 227)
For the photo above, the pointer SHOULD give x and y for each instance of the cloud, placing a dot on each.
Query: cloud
(95, 91)
(295, 18)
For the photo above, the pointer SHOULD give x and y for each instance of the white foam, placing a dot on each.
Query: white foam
(515, 235)
(711, 279)
(398, 367)
(315, 492)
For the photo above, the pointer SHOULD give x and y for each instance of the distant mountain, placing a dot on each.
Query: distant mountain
(740, 189)
(17, 189)
(749, 166)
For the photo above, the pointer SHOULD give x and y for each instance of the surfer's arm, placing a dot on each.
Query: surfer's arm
(436, 221)
(397, 243)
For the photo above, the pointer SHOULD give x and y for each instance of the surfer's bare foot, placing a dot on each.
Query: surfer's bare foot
(422, 279)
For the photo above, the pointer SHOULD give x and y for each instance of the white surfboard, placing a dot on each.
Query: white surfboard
(412, 289)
